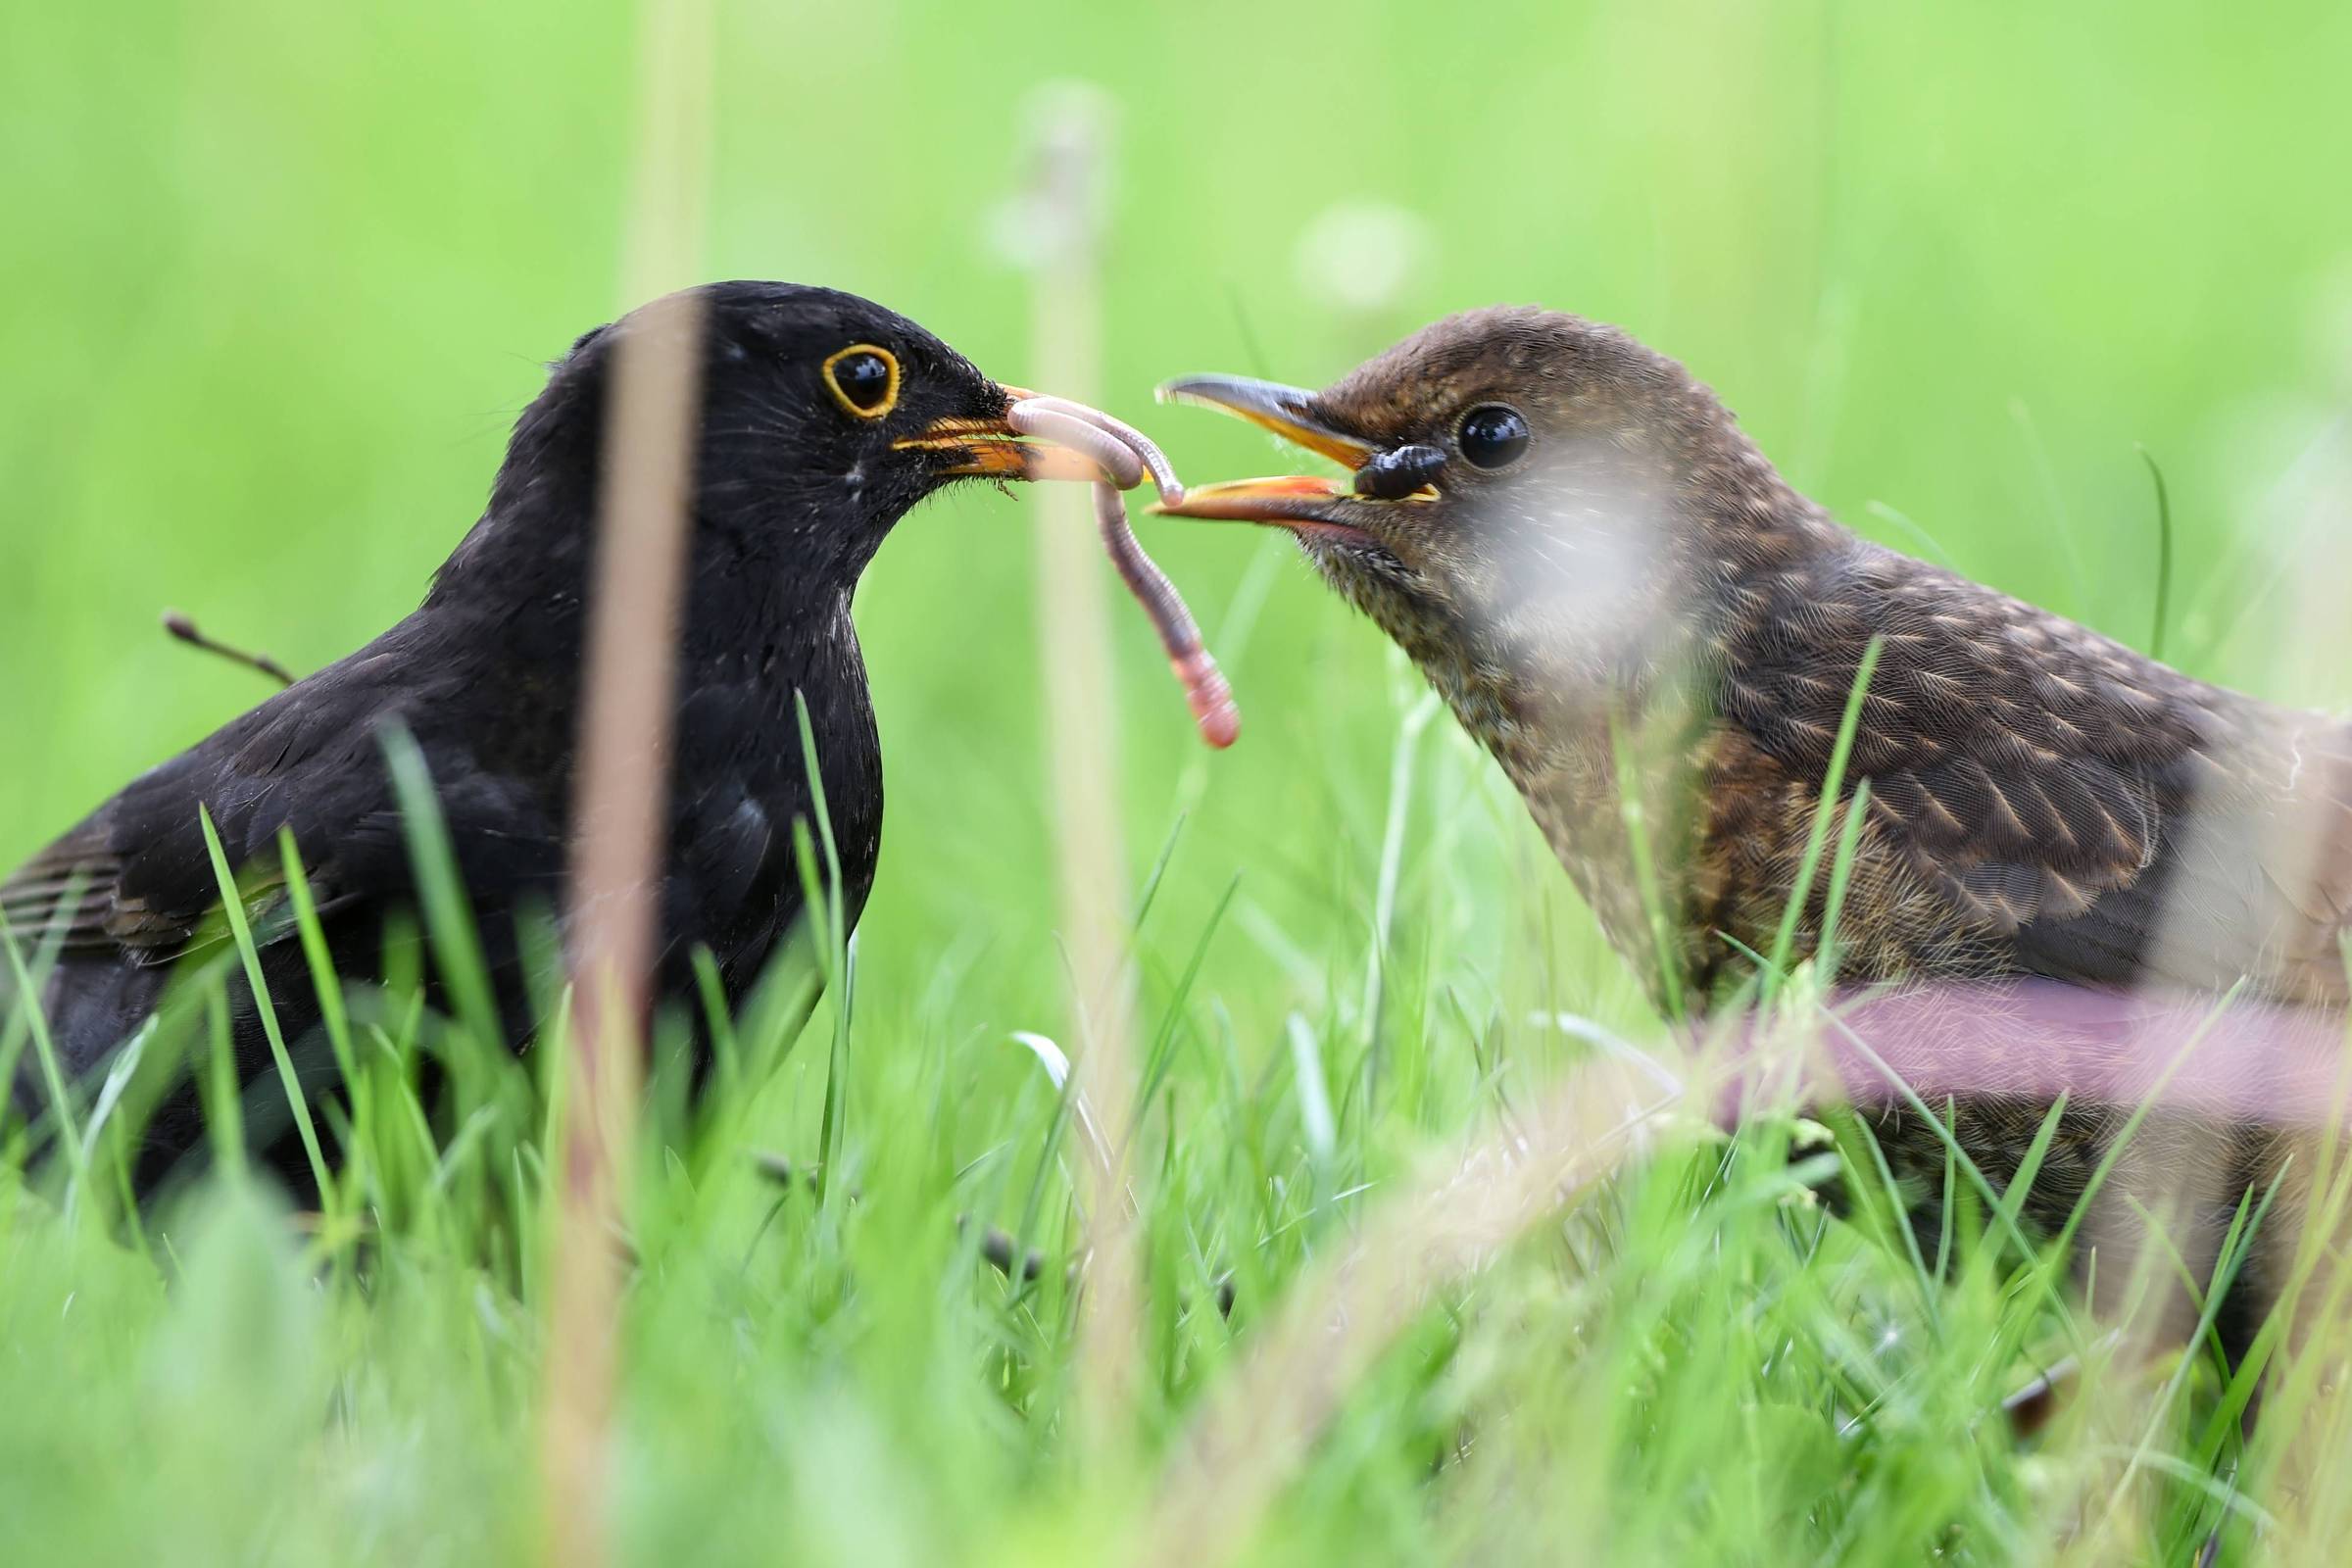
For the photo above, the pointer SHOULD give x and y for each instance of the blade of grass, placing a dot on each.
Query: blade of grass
(1669, 977)
(2164, 556)
(45, 1049)
(32, 979)
(1841, 875)
(1833, 782)
(448, 912)
(232, 904)
(1164, 1046)
(224, 1109)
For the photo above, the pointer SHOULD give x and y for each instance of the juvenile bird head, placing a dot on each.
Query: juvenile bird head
(820, 419)
(1528, 491)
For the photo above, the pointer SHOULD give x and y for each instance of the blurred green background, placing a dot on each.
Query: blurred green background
(280, 274)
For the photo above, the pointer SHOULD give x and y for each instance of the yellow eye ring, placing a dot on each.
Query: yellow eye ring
(874, 408)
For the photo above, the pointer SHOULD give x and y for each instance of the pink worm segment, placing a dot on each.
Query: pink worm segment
(1070, 425)
(1204, 689)
(1126, 456)
(1139, 445)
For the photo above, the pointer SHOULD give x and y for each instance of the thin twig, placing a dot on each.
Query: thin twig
(183, 626)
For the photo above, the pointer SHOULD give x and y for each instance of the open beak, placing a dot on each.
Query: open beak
(1291, 501)
(1284, 409)
(993, 448)
(1304, 504)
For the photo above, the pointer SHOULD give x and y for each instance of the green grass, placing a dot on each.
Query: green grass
(1678, 1358)
(283, 275)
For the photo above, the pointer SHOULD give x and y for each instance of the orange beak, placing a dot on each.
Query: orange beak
(991, 447)
(1287, 410)
(1305, 504)
(1287, 498)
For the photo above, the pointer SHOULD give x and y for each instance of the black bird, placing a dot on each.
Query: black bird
(1606, 579)
(824, 417)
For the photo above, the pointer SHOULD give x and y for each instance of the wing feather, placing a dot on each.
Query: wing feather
(2105, 817)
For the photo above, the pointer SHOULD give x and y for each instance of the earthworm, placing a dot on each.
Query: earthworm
(1196, 668)
(1141, 446)
(1126, 456)
(1073, 426)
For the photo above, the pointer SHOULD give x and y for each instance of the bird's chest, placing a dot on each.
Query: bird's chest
(1684, 838)
(1609, 798)
(1624, 835)
(748, 728)
(1695, 849)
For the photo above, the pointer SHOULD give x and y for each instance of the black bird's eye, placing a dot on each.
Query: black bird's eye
(1494, 435)
(863, 379)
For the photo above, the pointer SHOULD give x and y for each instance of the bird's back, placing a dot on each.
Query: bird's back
(130, 892)
(2042, 800)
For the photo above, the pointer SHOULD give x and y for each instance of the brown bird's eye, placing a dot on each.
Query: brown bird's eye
(863, 379)
(1494, 435)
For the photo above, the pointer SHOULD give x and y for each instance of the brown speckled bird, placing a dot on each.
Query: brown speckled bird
(1578, 545)
(1561, 527)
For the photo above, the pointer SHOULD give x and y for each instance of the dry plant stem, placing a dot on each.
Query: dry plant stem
(1126, 456)
(619, 812)
(1068, 150)
(624, 782)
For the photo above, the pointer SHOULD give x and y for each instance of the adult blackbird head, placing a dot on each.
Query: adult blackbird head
(824, 419)
(821, 420)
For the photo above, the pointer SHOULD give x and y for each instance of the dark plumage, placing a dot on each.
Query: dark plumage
(805, 459)
(1572, 538)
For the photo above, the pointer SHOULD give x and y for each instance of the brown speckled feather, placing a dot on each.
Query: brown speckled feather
(2083, 812)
